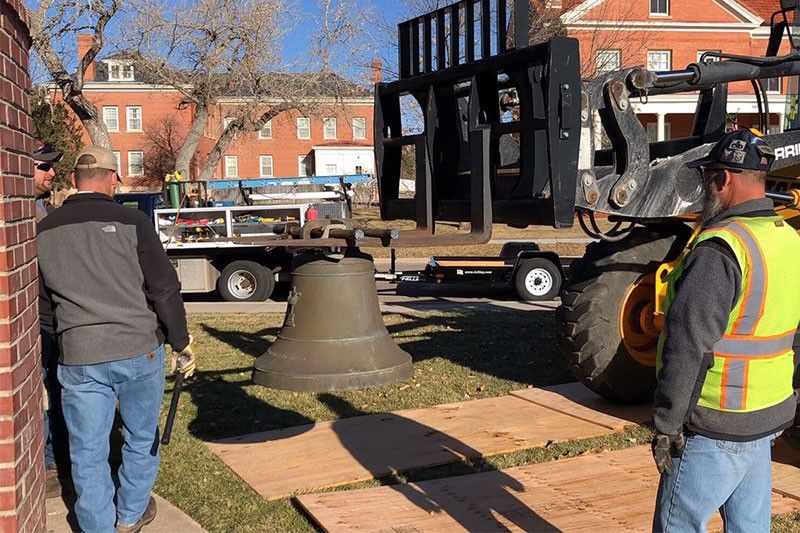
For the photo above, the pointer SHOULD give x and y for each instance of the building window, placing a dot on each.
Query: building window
(652, 131)
(111, 118)
(329, 131)
(135, 164)
(303, 166)
(120, 72)
(331, 169)
(303, 128)
(227, 122)
(359, 128)
(266, 131)
(607, 60)
(658, 60)
(231, 166)
(265, 164)
(119, 164)
(707, 59)
(659, 7)
(772, 85)
(359, 169)
(134, 118)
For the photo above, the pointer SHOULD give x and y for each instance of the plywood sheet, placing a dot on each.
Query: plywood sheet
(786, 469)
(284, 462)
(576, 400)
(612, 491)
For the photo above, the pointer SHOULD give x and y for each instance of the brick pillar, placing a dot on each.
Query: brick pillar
(21, 434)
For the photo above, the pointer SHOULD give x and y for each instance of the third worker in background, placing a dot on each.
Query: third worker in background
(726, 358)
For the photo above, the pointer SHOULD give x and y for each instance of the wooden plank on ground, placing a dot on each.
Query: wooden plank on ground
(612, 491)
(576, 400)
(786, 469)
(280, 463)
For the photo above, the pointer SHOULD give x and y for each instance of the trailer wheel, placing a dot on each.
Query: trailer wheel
(537, 279)
(245, 281)
(602, 322)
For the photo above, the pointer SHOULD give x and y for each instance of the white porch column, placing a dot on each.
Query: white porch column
(660, 126)
(781, 118)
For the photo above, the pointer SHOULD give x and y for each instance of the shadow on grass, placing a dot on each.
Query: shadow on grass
(225, 409)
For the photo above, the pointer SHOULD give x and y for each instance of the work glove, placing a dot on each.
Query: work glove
(184, 360)
(665, 447)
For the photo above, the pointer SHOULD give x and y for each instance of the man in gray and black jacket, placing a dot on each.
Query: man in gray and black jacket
(116, 301)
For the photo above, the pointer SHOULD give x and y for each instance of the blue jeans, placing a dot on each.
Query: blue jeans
(732, 477)
(89, 397)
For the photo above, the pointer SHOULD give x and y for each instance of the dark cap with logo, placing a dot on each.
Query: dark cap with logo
(47, 153)
(742, 149)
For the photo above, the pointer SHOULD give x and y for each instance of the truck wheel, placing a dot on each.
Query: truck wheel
(245, 281)
(537, 279)
(604, 322)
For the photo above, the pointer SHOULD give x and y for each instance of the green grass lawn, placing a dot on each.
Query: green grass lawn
(457, 356)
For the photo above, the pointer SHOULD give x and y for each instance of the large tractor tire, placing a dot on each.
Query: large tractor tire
(605, 328)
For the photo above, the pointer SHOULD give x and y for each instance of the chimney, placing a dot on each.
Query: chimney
(84, 44)
(377, 71)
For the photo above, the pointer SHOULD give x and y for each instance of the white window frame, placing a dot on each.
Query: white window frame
(124, 71)
(327, 123)
(766, 83)
(657, 12)
(266, 131)
(262, 161)
(331, 169)
(235, 160)
(226, 122)
(607, 63)
(651, 56)
(300, 128)
(302, 166)
(652, 131)
(362, 128)
(128, 118)
(106, 109)
(118, 156)
(708, 59)
(130, 165)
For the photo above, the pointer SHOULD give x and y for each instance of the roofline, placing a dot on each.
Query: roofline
(736, 8)
(344, 147)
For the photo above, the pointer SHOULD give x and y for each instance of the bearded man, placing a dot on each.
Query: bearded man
(726, 357)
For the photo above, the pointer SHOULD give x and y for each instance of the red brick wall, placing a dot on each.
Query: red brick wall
(21, 443)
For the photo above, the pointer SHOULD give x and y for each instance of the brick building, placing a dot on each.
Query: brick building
(671, 34)
(134, 110)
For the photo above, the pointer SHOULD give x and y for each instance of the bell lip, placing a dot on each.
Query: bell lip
(334, 382)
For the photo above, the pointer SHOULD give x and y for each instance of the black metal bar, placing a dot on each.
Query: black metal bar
(427, 38)
(424, 192)
(173, 409)
(502, 26)
(404, 48)
(469, 33)
(415, 47)
(486, 29)
(522, 28)
(480, 181)
(455, 29)
(441, 41)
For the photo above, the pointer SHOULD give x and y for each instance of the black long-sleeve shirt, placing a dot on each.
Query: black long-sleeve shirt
(706, 294)
(113, 291)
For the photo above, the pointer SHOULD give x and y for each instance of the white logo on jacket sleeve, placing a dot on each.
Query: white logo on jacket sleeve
(110, 228)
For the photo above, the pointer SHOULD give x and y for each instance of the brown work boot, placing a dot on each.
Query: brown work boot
(52, 485)
(148, 516)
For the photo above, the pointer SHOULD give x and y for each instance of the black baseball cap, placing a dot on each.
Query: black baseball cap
(47, 153)
(742, 149)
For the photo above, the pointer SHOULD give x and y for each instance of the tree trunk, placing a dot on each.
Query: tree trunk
(90, 118)
(216, 153)
(183, 159)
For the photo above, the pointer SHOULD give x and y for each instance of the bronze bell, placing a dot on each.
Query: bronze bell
(333, 337)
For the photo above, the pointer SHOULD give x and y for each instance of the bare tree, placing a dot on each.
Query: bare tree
(54, 24)
(225, 55)
(164, 140)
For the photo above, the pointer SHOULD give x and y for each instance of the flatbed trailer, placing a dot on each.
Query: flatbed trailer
(535, 275)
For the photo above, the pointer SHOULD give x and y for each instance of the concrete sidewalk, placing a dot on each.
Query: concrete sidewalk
(169, 518)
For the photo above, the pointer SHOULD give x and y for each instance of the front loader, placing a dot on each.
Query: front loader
(508, 135)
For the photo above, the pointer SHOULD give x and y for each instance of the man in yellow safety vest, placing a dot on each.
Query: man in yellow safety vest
(726, 358)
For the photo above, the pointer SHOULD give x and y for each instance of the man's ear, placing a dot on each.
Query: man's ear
(72, 179)
(725, 179)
